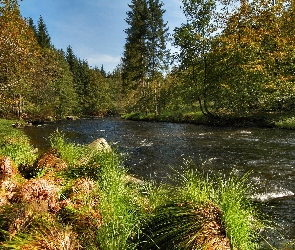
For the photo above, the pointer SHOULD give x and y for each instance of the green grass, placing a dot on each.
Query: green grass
(117, 200)
(103, 209)
(267, 119)
(188, 117)
(286, 122)
(181, 221)
(15, 144)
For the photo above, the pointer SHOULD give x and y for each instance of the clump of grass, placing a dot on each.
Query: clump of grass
(116, 199)
(287, 123)
(239, 214)
(16, 145)
(69, 152)
(210, 208)
(119, 209)
(44, 232)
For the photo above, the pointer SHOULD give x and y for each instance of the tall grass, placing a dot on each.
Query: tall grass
(121, 215)
(15, 144)
(238, 212)
(184, 223)
(117, 200)
(69, 152)
(239, 215)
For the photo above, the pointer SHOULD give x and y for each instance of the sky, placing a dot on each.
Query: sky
(93, 28)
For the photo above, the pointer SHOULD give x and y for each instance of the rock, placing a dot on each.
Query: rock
(101, 144)
(71, 117)
(134, 180)
(17, 125)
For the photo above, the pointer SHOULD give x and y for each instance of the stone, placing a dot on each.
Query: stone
(101, 144)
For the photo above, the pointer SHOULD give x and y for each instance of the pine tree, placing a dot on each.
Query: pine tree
(135, 54)
(144, 54)
(42, 34)
(31, 24)
(64, 99)
(157, 36)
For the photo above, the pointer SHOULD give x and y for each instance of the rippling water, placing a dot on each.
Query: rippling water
(153, 150)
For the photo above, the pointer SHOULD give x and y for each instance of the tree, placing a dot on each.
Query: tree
(253, 55)
(144, 55)
(31, 24)
(64, 98)
(157, 36)
(20, 57)
(43, 37)
(194, 40)
(134, 59)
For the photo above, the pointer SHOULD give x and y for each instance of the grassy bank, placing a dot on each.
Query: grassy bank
(275, 120)
(82, 197)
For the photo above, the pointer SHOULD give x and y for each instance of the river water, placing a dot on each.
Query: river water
(157, 150)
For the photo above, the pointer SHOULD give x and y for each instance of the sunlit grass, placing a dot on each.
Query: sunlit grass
(15, 144)
(184, 223)
(286, 122)
(116, 200)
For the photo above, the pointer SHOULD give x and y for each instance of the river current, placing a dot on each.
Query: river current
(158, 150)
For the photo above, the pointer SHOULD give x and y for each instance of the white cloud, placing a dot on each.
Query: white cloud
(109, 62)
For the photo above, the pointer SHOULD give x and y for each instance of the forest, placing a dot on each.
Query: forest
(233, 58)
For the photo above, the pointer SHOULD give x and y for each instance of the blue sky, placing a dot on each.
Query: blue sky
(93, 28)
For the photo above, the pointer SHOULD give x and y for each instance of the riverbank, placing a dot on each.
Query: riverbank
(268, 120)
(96, 204)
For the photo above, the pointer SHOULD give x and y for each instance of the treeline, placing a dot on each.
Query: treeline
(232, 58)
(38, 80)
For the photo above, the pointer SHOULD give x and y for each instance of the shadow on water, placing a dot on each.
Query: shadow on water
(152, 150)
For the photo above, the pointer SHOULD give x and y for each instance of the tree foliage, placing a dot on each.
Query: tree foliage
(233, 58)
(37, 80)
(20, 58)
(238, 58)
(145, 55)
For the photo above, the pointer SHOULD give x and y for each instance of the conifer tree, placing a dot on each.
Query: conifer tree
(43, 37)
(135, 54)
(144, 54)
(31, 24)
(157, 37)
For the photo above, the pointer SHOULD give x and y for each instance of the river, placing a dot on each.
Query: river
(158, 150)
